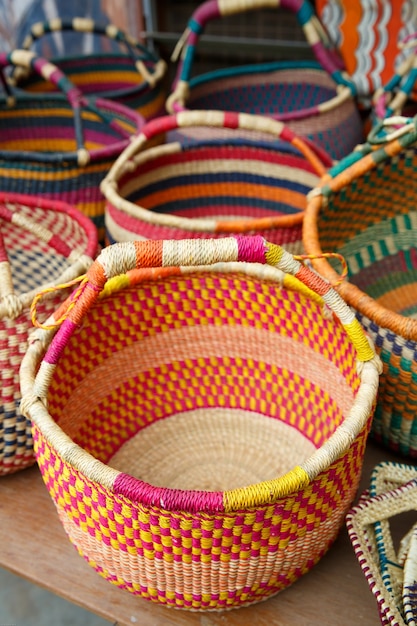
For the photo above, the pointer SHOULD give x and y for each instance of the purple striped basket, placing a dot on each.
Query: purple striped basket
(60, 148)
(316, 99)
(131, 75)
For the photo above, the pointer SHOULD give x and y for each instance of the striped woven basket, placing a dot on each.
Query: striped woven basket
(42, 243)
(391, 572)
(365, 209)
(131, 74)
(211, 188)
(316, 99)
(60, 148)
(200, 418)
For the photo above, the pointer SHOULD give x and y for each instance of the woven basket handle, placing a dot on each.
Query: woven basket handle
(169, 257)
(142, 58)
(77, 100)
(214, 9)
(11, 304)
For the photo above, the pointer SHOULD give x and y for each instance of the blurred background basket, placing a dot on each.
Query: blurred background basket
(60, 148)
(253, 179)
(390, 569)
(365, 209)
(315, 98)
(129, 73)
(207, 418)
(43, 243)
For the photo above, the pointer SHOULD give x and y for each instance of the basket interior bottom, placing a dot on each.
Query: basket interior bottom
(212, 449)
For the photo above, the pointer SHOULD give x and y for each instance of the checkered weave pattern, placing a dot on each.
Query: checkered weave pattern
(213, 337)
(253, 184)
(365, 210)
(131, 74)
(315, 98)
(42, 243)
(60, 147)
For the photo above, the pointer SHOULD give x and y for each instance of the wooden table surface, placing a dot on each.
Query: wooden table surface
(34, 546)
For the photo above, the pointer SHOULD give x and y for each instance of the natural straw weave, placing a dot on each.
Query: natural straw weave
(211, 188)
(42, 243)
(200, 418)
(316, 99)
(60, 148)
(365, 209)
(390, 572)
(131, 74)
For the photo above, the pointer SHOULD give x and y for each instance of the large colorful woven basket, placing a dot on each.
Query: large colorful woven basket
(365, 209)
(211, 188)
(56, 147)
(390, 569)
(200, 418)
(43, 243)
(131, 74)
(315, 98)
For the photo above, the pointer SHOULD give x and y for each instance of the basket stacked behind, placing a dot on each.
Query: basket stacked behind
(255, 183)
(129, 73)
(42, 244)
(366, 211)
(60, 148)
(201, 429)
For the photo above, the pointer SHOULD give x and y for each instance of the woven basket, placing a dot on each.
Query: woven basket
(206, 424)
(366, 210)
(390, 572)
(42, 243)
(60, 148)
(131, 75)
(314, 98)
(211, 188)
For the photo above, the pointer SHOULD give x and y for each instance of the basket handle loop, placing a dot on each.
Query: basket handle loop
(142, 58)
(77, 100)
(159, 258)
(313, 30)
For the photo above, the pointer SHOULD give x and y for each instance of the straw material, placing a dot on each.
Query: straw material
(42, 244)
(61, 148)
(214, 187)
(132, 75)
(316, 99)
(391, 573)
(365, 210)
(200, 419)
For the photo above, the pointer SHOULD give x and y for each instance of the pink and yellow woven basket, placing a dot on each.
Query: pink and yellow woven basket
(200, 418)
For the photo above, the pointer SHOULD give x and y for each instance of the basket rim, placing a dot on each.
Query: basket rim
(209, 119)
(352, 167)
(259, 494)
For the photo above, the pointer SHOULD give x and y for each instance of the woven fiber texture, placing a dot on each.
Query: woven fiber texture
(365, 210)
(60, 148)
(391, 572)
(316, 99)
(206, 420)
(42, 243)
(214, 187)
(131, 74)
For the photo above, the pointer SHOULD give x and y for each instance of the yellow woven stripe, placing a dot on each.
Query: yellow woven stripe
(274, 254)
(267, 491)
(115, 284)
(355, 332)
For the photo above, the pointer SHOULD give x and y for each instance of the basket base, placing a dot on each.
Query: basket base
(212, 450)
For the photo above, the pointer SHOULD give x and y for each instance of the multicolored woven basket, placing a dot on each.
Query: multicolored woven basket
(316, 99)
(200, 418)
(131, 75)
(43, 243)
(391, 572)
(211, 188)
(60, 148)
(365, 209)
